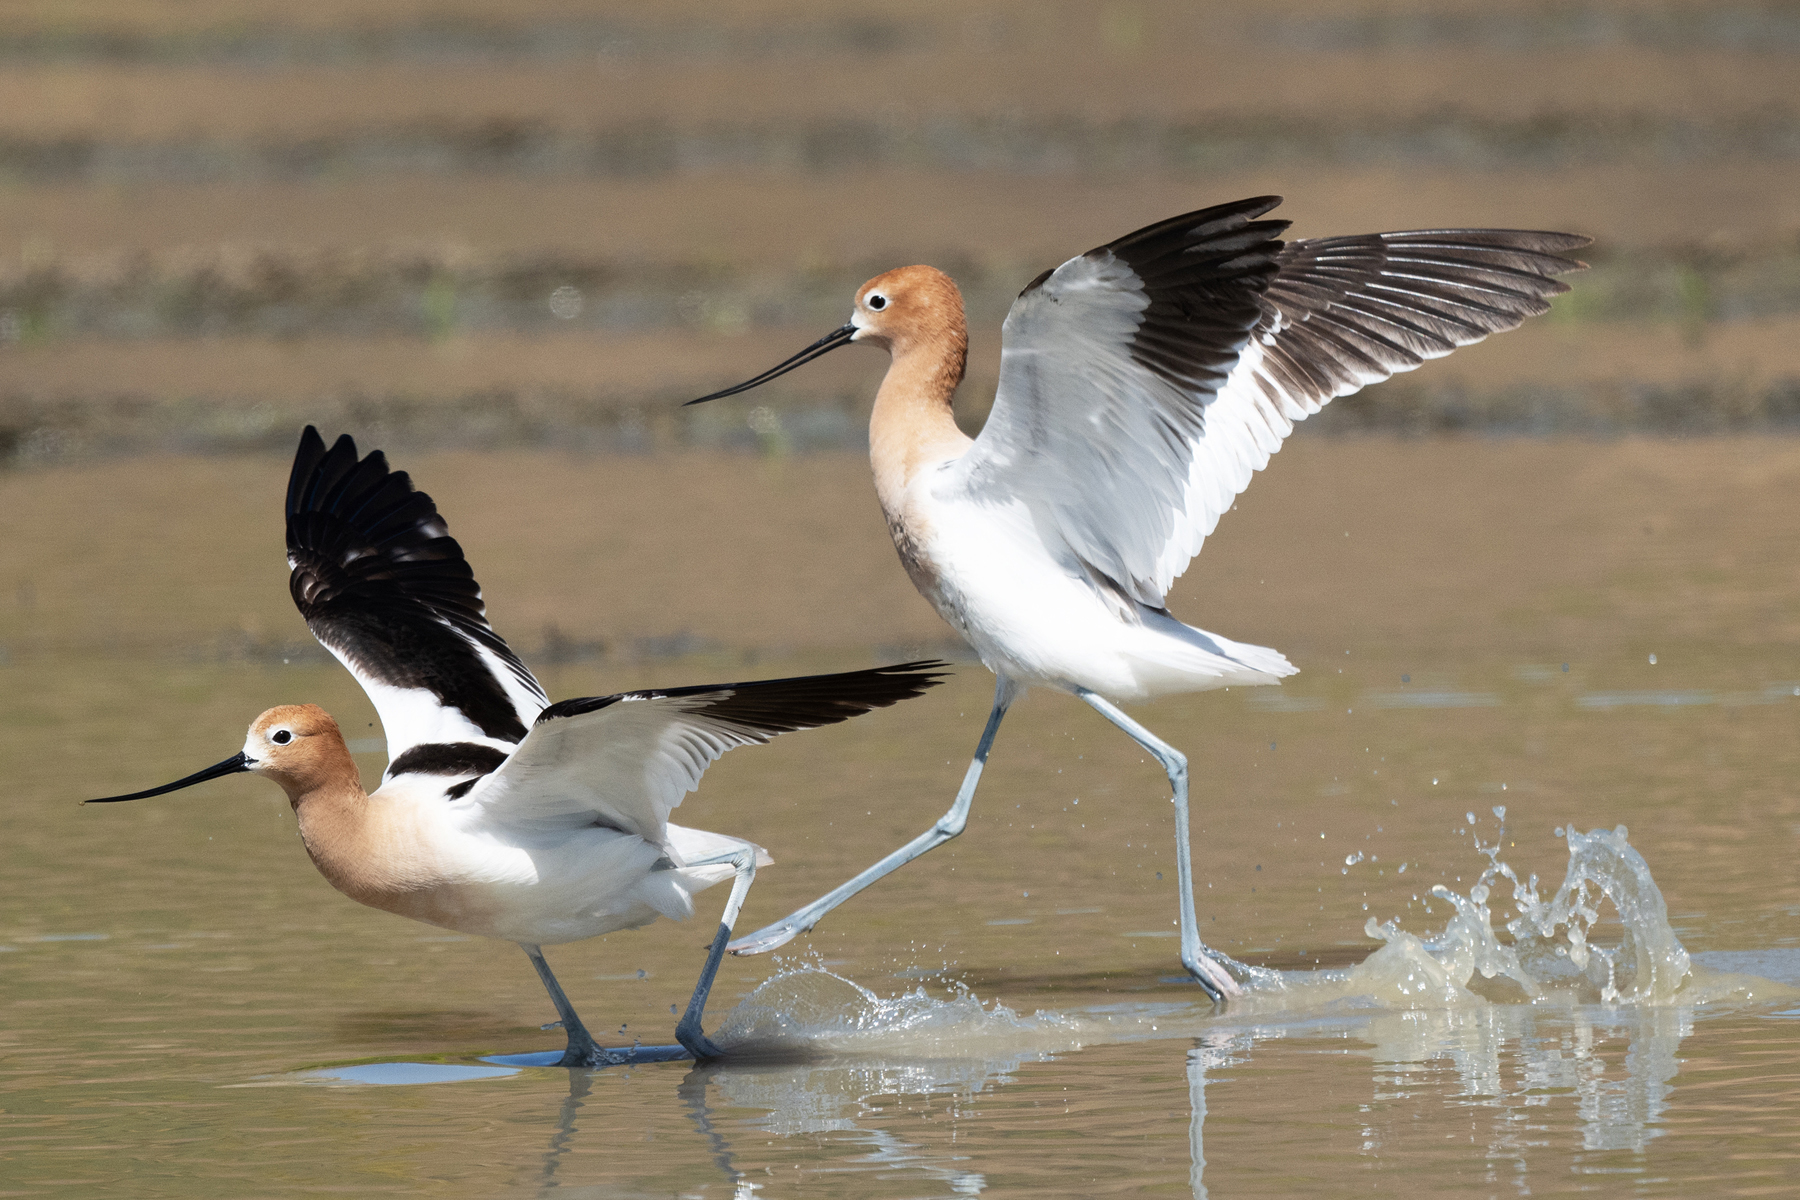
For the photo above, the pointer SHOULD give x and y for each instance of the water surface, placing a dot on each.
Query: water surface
(190, 1010)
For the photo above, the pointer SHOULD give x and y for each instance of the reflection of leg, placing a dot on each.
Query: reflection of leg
(689, 1032)
(691, 1091)
(580, 1084)
(947, 827)
(1204, 964)
(1196, 1073)
(582, 1051)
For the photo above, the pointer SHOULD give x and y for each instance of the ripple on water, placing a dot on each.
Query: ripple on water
(398, 1073)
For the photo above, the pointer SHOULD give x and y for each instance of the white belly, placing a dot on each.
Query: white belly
(417, 858)
(1040, 620)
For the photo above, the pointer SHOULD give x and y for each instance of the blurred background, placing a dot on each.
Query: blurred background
(544, 223)
(1552, 581)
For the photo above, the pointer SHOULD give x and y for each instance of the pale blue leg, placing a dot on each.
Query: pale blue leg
(1207, 966)
(689, 1032)
(947, 827)
(583, 1051)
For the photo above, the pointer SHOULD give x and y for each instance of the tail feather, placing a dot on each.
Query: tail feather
(1181, 658)
(671, 893)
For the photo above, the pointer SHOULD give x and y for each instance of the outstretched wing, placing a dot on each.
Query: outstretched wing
(385, 588)
(627, 761)
(1142, 383)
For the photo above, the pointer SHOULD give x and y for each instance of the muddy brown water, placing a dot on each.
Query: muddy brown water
(190, 1010)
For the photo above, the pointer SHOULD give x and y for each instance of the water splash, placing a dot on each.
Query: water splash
(809, 1009)
(1551, 954)
(1602, 938)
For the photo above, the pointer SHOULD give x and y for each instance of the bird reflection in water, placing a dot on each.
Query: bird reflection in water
(1529, 1069)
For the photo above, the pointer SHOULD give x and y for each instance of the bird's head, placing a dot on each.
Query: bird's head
(896, 310)
(296, 745)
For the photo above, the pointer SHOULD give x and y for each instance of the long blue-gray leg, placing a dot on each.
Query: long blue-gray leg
(1206, 965)
(689, 1032)
(947, 827)
(582, 1050)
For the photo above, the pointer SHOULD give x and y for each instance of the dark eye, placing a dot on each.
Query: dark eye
(281, 737)
(876, 301)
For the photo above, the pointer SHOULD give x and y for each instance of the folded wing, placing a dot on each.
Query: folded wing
(1142, 383)
(627, 761)
(384, 587)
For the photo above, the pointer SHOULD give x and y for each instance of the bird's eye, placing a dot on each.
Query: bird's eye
(876, 301)
(281, 737)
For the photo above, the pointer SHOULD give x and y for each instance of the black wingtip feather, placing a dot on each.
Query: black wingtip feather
(772, 706)
(378, 578)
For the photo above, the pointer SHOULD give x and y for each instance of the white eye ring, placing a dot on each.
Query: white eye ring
(281, 737)
(876, 301)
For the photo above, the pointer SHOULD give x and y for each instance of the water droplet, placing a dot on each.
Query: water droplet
(1500, 809)
(565, 303)
(1470, 817)
(1653, 660)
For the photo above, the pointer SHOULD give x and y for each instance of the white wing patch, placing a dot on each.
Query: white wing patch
(1127, 457)
(627, 765)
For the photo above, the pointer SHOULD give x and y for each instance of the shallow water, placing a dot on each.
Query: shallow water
(189, 1009)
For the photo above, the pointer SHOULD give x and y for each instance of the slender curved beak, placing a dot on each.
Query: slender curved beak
(231, 766)
(838, 337)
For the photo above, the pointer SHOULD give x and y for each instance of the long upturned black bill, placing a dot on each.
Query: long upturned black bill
(231, 766)
(838, 337)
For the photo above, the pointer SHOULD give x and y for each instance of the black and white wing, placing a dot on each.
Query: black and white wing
(385, 588)
(627, 761)
(1142, 383)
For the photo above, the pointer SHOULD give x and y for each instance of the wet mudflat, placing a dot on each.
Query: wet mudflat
(189, 1009)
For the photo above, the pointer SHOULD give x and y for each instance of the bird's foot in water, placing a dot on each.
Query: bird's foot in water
(694, 1039)
(767, 938)
(591, 1057)
(1210, 972)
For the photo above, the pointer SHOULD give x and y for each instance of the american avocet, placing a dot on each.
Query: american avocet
(1141, 384)
(501, 814)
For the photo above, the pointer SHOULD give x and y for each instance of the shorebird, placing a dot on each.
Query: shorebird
(501, 814)
(1141, 385)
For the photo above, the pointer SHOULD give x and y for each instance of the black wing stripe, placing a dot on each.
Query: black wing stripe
(448, 758)
(1201, 273)
(770, 706)
(378, 578)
